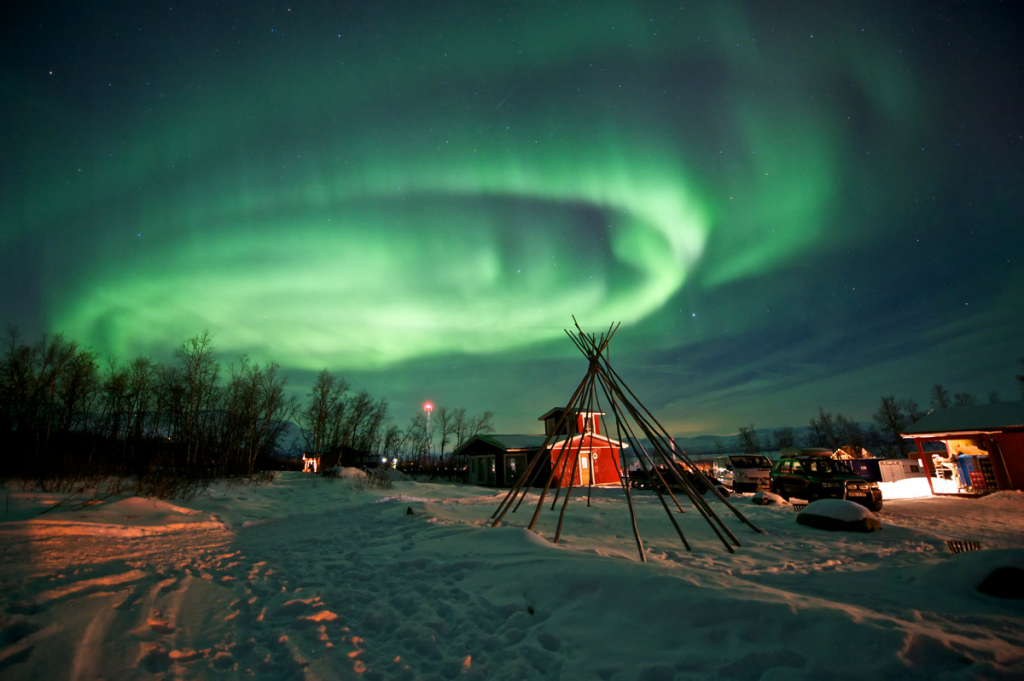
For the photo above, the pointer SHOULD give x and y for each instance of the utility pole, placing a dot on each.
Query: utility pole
(428, 407)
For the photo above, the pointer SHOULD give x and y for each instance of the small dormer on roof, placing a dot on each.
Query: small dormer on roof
(575, 423)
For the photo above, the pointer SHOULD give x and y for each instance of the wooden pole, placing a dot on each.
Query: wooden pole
(624, 481)
(686, 458)
(572, 475)
(657, 490)
(533, 469)
(698, 502)
(651, 465)
(561, 464)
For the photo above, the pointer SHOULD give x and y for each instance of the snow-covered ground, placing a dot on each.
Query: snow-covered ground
(305, 578)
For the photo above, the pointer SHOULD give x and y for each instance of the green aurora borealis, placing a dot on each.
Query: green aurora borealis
(785, 208)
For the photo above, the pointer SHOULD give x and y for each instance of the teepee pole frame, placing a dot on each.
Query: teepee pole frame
(681, 454)
(695, 497)
(632, 419)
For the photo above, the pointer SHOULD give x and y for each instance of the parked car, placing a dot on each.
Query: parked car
(813, 476)
(641, 479)
(743, 472)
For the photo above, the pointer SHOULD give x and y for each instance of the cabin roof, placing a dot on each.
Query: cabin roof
(513, 442)
(555, 412)
(517, 443)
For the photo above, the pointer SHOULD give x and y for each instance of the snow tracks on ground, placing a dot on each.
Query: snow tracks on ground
(356, 594)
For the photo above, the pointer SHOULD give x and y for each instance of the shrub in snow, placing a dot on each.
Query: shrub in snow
(767, 498)
(838, 515)
(376, 479)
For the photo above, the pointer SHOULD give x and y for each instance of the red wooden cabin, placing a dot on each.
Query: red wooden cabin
(577, 449)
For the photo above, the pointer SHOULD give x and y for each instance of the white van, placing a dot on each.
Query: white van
(743, 472)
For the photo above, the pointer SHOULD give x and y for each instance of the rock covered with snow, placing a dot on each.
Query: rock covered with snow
(763, 498)
(838, 515)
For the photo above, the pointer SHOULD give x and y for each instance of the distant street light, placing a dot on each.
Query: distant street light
(428, 407)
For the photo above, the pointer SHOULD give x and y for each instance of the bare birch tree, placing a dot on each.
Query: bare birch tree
(783, 437)
(891, 422)
(964, 399)
(320, 420)
(197, 371)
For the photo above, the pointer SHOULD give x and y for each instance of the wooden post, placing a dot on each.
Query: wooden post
(926, 461)
(532, 470)
(633, 419)
(683, 455)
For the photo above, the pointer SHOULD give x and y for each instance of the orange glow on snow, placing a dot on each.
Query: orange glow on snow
(321, 616)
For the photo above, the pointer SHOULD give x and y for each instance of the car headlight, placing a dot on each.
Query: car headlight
(830, 484)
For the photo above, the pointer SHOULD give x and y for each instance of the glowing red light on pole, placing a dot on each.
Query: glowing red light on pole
(428, 407)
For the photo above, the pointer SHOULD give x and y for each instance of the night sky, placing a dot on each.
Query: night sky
(787, 205)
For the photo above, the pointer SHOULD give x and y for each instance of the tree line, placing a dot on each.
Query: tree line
(65, 415)
(334, 421)
(881, 437)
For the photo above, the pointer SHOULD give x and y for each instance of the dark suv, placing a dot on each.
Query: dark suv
(812, 477)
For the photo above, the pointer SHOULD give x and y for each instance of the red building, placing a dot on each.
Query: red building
(575, 449)
(983, 445)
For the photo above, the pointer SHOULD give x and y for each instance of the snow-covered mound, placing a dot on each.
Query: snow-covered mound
(763, 498)
(116, 516)
(346, 472)
(838, 514)
(393, 475)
